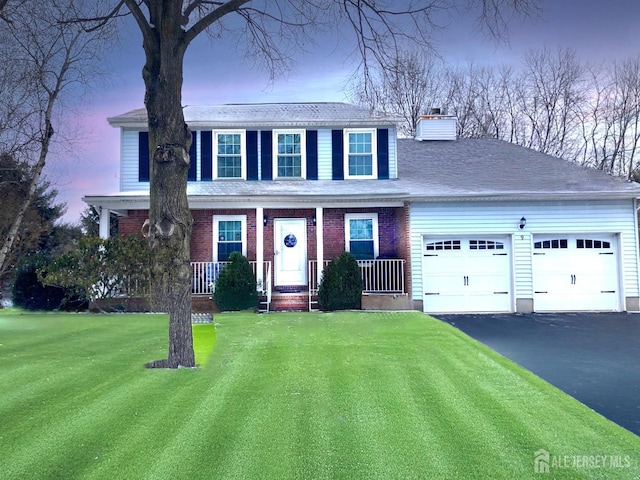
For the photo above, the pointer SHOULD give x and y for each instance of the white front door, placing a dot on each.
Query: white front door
(466, 274)
(290, 244)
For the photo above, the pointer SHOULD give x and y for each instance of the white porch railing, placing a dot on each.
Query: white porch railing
(378, 276)
(382, 276)
(205, 274)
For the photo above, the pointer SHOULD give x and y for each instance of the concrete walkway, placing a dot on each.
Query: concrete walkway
(594, 357)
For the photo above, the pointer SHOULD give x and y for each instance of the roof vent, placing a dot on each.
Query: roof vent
(436, 126)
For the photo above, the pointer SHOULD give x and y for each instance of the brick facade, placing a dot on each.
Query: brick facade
(393, 224)
(393, 231)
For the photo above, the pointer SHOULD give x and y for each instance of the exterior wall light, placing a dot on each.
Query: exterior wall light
(313, 219)
(265, 220)
(523, 222)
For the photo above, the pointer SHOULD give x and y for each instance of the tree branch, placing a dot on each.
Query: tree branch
(206, 21)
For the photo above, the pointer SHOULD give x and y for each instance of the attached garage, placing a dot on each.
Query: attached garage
(576, 272)
(467, 274)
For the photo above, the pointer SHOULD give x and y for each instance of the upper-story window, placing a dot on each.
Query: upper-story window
(230, 155)
(360, 153)
(289, 152)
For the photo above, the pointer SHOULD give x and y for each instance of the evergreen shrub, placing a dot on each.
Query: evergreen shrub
(236, 286)
(341, 284)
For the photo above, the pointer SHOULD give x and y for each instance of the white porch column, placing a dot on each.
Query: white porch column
(104, 222)
(260, 245)
(319, 243)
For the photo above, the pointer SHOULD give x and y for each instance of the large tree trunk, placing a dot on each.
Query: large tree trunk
(170, 221)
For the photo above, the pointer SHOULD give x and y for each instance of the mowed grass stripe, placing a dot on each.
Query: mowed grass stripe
(323, 396)
(85, 404)
(96, 358)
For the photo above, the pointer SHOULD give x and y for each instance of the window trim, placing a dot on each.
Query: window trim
(228, 218)
(243, 153)
(303, 153)
(362, 216)
(374, 153)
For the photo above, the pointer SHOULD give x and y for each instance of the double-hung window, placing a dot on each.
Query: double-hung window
(289, 153)
(229, 235)
(360, 154)
(361, 235)
(230, 155)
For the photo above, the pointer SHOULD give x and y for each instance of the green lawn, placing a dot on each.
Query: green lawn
(305, 396)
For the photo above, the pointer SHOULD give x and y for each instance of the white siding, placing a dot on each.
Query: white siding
(129, 158)
(436, 128)
(324, 154)
(393, 153)
(614, 216)
(129, 162)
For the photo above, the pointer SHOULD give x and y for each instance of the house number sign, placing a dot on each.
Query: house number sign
(290, 240)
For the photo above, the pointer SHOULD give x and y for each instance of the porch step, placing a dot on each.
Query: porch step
(293, 302)
(314, 305)
(263, 304)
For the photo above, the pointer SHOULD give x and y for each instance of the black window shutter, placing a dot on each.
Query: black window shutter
(312, 155)
(267, 154)
(337, 155)
(252, 155)
(383, 153)
(193, 160)
(143, 156)
(206, 164)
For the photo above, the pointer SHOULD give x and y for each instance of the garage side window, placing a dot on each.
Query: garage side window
(443, 245)
(229, 235)
(485, 245)
(551, 244)
(361, 235)
(589, 243)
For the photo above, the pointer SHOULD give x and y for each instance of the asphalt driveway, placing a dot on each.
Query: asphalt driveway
(594, 357)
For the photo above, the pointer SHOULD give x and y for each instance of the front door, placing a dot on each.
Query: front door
(290, 245)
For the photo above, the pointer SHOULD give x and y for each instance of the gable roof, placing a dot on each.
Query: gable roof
(485, 167)
(455, 170)
(247, 115)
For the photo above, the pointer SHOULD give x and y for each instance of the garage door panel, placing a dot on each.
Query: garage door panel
(575, 272)
(473, 275)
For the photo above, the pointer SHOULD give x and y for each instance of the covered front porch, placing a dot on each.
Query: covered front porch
(289, 244)
(379, 277)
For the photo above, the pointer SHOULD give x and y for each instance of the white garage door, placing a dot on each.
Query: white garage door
(466, 274)
(575, 272)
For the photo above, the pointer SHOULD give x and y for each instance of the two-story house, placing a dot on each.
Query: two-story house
(437, 223)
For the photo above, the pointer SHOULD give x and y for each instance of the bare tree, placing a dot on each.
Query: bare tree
(552, 96)
(410, 86)
(270, 31)
(619, 120)
(43, 58)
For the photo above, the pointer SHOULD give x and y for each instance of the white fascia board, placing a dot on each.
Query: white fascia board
(525, 197)
(141, 202)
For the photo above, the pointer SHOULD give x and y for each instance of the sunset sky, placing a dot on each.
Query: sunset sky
(598, 30)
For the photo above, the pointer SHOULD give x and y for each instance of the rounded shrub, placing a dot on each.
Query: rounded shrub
(341, 284)
(236, 286)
